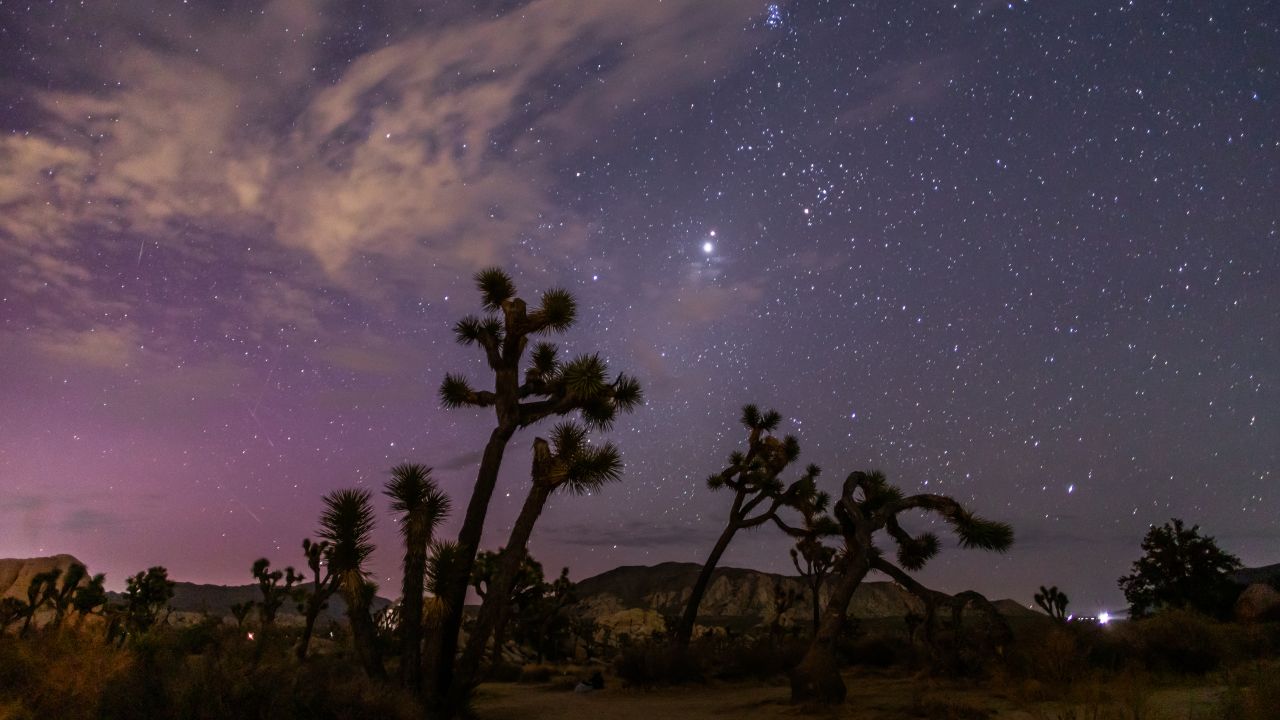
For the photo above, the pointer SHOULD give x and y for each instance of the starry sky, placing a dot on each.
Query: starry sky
(1024, 253)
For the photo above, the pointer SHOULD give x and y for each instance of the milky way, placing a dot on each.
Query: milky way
(1022, 253)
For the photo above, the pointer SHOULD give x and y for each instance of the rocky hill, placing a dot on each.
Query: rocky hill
(16, 573)
(637, 599)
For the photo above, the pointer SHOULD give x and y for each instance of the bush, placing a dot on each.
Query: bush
(536, 673)
(761, 659)
(658, 663)
(1183, 642)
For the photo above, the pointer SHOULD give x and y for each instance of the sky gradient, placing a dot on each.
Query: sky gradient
(1023, 253)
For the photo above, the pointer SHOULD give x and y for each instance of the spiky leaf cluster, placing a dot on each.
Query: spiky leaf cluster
(347, 523)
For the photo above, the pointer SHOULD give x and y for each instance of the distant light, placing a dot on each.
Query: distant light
(707, 247)
(1104, 617)
(250, 636)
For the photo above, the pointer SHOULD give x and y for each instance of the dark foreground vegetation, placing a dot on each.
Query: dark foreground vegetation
(68, 651)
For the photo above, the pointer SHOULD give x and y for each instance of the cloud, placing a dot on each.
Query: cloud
(634, 534)
(208, 136)
(896, 87)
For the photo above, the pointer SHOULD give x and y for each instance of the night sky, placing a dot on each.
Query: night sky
(1024, 253)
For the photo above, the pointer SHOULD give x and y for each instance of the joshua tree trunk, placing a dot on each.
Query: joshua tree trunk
(363, 634)
(817, 606)
(469, 541)
(817, 677)
(684, 631)
(492, 611)
(308, 628)
(415, 570)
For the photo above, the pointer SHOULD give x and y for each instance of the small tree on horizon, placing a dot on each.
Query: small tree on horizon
(315, 599)
(1053, 601)
(758, 495)
(1180, 568)
(274, 594)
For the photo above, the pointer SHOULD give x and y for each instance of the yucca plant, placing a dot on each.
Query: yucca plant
(569, 463)
(1053, 601)
(869, 505)
(422, 506)
(549, 387)
(347, 523)
(758, 496)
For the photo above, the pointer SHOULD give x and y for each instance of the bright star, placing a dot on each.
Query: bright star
(707, 247)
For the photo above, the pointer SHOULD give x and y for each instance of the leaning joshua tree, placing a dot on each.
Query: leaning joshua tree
(1053, 601)
(347, 523)
(758, 495)
(868, 504)
(422, 506)
(570, 463)
(548, 388)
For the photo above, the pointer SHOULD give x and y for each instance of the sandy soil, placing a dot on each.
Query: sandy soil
(870, 698)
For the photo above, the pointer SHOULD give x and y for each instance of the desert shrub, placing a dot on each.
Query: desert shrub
(505, 672)
(1052, 654)
(760, 659)
(1182, 642)
(658, 663)
(536, 673)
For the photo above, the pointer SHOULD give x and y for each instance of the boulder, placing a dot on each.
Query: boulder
(1258, 602)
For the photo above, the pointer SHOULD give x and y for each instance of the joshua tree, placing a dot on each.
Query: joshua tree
(323, 585)
(814, 562)
(12, 610)
(146, 595)
(61, 598)
(43, 587)
(240, 611)
(347, 522)
(1053, 601)
(783, 598)
(758, 495)
(423, 506)
(868, 504)
(548, 388)
(567, 462)
(89, 596)
(273, 593)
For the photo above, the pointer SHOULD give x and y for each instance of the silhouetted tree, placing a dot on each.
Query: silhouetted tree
(1180, 568)
(89, 596)
(758, 495)
(868, 504)
(548, 388)
(146, 595)
(567, 462)
(240, 611)
(274, 594)
(1053, 601)
(814, 562)
(60, 599)
(12, 610)
(324, 583)
(422, 506)
(526, 588)
(40, 592)
(347, 523)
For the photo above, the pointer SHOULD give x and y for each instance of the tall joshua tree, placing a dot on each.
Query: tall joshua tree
(502, 332)
(89, 596)
(61, 598)
(526, 587)
(758, 495)
(323, 585)
(422, 506)
(814, 561)
(868, 504)
(567, 462)
(347, 523)
(40, 592)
